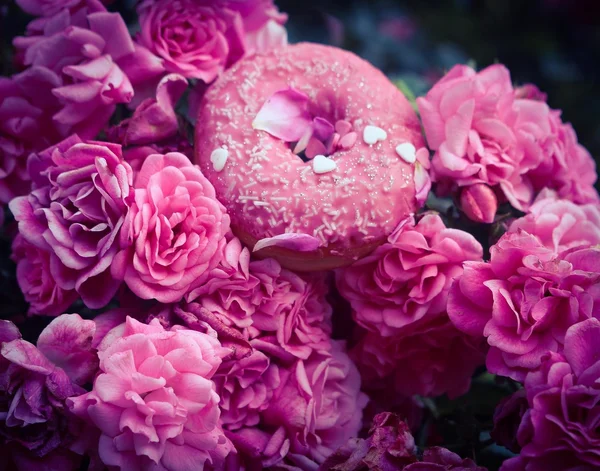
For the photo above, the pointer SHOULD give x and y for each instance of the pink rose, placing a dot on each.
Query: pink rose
(51, 7)
(567, 166)
(262, 300)
(407, 278)
(82, 49)
(524, 300)
(246, 387)
(430, 358)
(175, 230)
(480, 135)
(559, 430)
(293, 313)
(319, 403)
(154, 403)
(231, 292)
(35, 278)
(75, 213)
(34, 419)
(195, 39)
(25, 126)
(560, 224)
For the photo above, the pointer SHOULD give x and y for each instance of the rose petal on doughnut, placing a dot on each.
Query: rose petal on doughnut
(354, 196)
(299, 242)
(284, 115)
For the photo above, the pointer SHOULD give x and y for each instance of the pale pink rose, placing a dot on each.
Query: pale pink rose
(482, 134)
(408, 278)
(75, 212)
(35, 278)
(174, 232)
(82, 49)
(195, 39)
(524, 300)
(430, 358)
(26, 105)
(245, 387)
(154, 403)
(559, 223)
(319, 403)
(567, 167)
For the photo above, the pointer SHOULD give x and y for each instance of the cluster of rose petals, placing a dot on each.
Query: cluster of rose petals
(559, 223)
(483, 131)
(49, 8)
(81, 49)
(174, 232)
(154, 403)
(35, 278)
(34, 419)
(524, 300)
(76, 212)
(319, 403)
(245, 387)
(430, 359)
(391, 447)
(408, 278)
(261, 449)
(25, 126)
(560, 429)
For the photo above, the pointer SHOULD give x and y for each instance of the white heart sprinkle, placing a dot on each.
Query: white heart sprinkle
(407, 152)
(322, 164)
(219, 158)
(373, 134)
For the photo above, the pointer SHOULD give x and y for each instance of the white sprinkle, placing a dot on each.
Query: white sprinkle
(261, 203)
(407, 152)
(246, 198)
(373, 134)
(248, 185)
(322, 164)
(219, 158)
(279, 198)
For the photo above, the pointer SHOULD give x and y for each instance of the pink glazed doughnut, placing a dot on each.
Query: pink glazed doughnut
(268, 190)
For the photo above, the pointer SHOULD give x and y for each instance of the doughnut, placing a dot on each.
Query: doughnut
(346, 202)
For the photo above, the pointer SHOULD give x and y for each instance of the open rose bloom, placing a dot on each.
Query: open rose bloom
(140, 332)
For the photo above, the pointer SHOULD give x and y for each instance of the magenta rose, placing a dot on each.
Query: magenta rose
(524, 300)
(559, 431)
(245, 387)
(36, 279)
(75, 212)
(34, 420)
(174, 232)
(154, 403)
(26, 102)
(480, 134)
(507, 418)
(319, 403)
(430, 359)
(559, 223)
(197, 39)
(440, 459)
(81, 49)
(408, 278)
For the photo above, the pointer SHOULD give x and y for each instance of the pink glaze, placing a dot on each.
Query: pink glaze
(268, 190)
